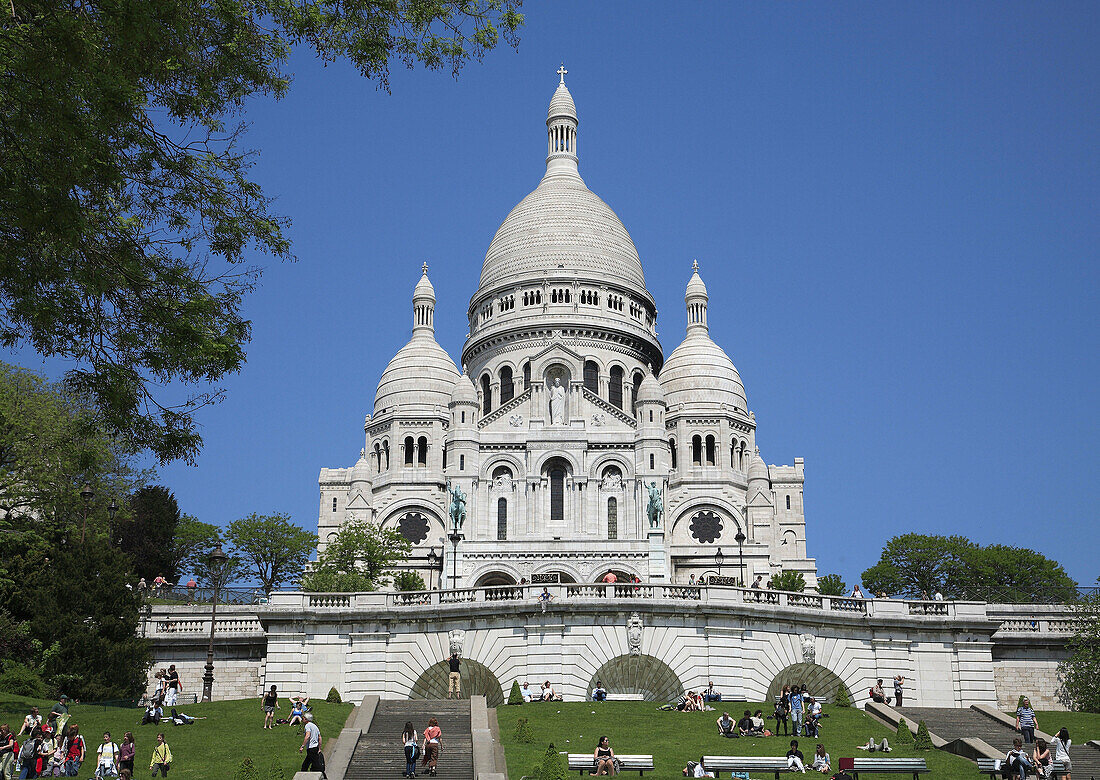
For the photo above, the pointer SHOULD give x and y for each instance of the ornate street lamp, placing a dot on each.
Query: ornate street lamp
(718, 558)
(740, 539)
(87, 494)
(433, 561)
(217, 561)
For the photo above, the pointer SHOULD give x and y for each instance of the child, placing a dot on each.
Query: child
(106, 757)
(162, 757)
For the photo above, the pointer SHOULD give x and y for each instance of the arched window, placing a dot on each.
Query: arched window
(634, 398)
(422, 450)
(788, 502)
(444, 456)
(377, 458)
(592, 376)
(612, 518)
(556, 470)
(615, 388)
(502, 472)
(409, 447)
(672, 449)
(486, 395)
(697, 450)
(734, 463)
(507, 389)
(527, 375)
(386, 453)
(710, 451)
(502, 519)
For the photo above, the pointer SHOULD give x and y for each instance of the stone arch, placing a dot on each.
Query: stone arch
(494, 577)
(623, 573)
(732, 519)
(567, 455)
(477, 680)
(820, 681)
(611, 459)
(502, 459)
(643, 674)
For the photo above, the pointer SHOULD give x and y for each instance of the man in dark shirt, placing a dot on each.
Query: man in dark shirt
(172, 683)
(795, 761)
(454, 679)
(59, 710)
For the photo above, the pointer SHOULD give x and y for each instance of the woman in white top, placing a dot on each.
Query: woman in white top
(408, 742)
(821, 760)
(1061, 743)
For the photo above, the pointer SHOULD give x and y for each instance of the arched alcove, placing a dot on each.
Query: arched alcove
(819, 681)
(643, 674)
(491, 578)
(477, 680)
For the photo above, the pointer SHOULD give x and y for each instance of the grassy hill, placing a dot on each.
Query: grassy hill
(211, 748)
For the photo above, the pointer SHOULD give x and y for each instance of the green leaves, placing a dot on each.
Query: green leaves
(1080, 673)
(790, 581)
(358, 558)
(831, 585)
(275, 548)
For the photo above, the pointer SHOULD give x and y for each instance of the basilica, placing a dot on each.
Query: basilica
(576, 446)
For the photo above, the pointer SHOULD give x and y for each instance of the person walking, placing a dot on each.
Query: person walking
(433, 744)
(173, 686)
(270, 702)
(106, 757)
(7, 752)
(311, 745)
(899, 681)
(74, 751)
(162, 757)
(408, 739)
(1026, 722)
(126, 752)
(454, 678)
(28, 754)
(796, 711)
(1061, 743)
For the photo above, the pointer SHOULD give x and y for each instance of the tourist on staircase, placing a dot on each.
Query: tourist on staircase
(433, 744)
(1061, 750)
(1016, 761)
(1026, 722)
(408, 739)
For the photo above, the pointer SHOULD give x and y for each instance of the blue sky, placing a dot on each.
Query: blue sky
(894, 207)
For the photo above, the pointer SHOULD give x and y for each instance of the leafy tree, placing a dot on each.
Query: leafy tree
(276, 772)
(408, 580)
(1080, 673)
(515, 696)
(524, 735)
(916, 564)
(843, 696)
(790, 581)
(922, 740)
(358, 558)
(274, 547)
(125, 205)
(147, 538)
(831, 585)
(904, 735)
(230, 571)
(192, 543)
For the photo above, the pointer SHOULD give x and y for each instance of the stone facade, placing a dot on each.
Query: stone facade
(567, 424)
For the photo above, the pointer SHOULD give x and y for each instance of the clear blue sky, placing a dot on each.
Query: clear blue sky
(894, 207)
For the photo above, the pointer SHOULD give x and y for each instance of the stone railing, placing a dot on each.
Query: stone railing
(1033, 619)
(171, 625)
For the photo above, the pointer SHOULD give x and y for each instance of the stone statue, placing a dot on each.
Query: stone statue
(656, 506)
(557, 402)
(458, 506)
(455, 638)
(809, 651)
(634, 633)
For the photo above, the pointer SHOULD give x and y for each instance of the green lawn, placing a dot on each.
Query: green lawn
(211, 748)
(1082, 726)
(674, 738)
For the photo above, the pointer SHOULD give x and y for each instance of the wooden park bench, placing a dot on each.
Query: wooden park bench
(773, 764)
(583, 763)
(884, 766)
(991, 767)
(625, 697)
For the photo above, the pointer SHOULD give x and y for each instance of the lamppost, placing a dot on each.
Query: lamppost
(112, 510)
(217, 561)
(455, 538)
(740, 539)
(87, 494)
(433, 561)
(718, 558)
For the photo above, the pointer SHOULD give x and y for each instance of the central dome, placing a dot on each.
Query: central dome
(562, 228)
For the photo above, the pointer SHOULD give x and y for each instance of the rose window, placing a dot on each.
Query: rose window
(414, 527)
(706, 527)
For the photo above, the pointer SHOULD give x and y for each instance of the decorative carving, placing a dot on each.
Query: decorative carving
(612, 482)
(634, 633)
(656, 505)
(557, 402)
(504, 484)
(516, 420)
(454, 639)
(809, 650)
(598, 419)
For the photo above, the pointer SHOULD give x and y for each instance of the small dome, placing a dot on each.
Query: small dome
(464, 391)
(699, 373)
(561, 104)
(758, 470)
(695, 286)
(424, 287)
(650, 390)
(421, 376)
(361, 471)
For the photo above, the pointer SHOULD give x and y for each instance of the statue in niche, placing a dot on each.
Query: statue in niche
(458, 506)
(634, 633)
(809, 650)
(557, 402)
(656, 506)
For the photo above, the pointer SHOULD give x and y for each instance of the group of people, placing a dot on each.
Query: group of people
(426, 746)
(299, 709)
(802, 711)
(546, 692)
(1018, 762)
(878, 693)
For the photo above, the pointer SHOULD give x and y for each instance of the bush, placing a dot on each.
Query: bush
(23, 681)
(524, 734)
(923, 740)
(246, 771)
(408, 580)
(553, 766)
(1020, 701)
(334, 696)
(905, 736)
(276, 772)
(790, 581)
(515, 696)
(843, 697)
(831, 585)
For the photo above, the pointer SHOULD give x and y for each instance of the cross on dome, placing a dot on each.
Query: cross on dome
(561, 72)
(694, 265)
(424, 268)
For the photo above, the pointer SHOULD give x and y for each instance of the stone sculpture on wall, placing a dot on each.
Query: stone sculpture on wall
(458, 506)
(455, 638)
(656, 505)
(809, 651)
(557, 402)
(634, 633)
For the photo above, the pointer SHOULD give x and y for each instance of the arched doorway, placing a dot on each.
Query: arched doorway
(491, 578)
(822, 683)
(643, 674)
(477, 680)
(620, 575)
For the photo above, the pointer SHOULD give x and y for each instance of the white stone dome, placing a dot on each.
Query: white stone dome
(758, 469)
(561, 104)
(421, 376)
(650, 390)
(464, 391)
(361, 471)
(699, 373)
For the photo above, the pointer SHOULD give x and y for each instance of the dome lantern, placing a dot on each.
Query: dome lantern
(424, 305)
(561, 131)
(696, 299)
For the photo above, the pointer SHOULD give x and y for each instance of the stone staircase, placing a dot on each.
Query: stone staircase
(951, 724)
(379, 754)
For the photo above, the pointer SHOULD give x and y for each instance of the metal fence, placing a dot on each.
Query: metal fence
(180, 594)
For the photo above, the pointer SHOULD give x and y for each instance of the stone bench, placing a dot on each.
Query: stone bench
(583, 762)
(884, 766)
(992, 767)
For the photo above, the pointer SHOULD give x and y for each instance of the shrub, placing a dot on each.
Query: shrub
(246, 771)
(923, 741)
(276, 772)
(23, 681)
(408, 580)
(334, 696)
(515, 696)
(524, 733)
(843, 697)
(790, 581)
(831, 585)
(552, 766)
(1020, 701)
(905, 736)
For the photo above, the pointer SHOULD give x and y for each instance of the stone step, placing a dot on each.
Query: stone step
(380, 754)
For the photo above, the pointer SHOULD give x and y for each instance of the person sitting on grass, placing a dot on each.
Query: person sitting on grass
(297, 712)
(603, 758)
(547, 693)
(758, 723)
(687, 702)
(822, 763)
(744, 726)
(726, 726)
(599, 693)
(795, 760)
(694, 769)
